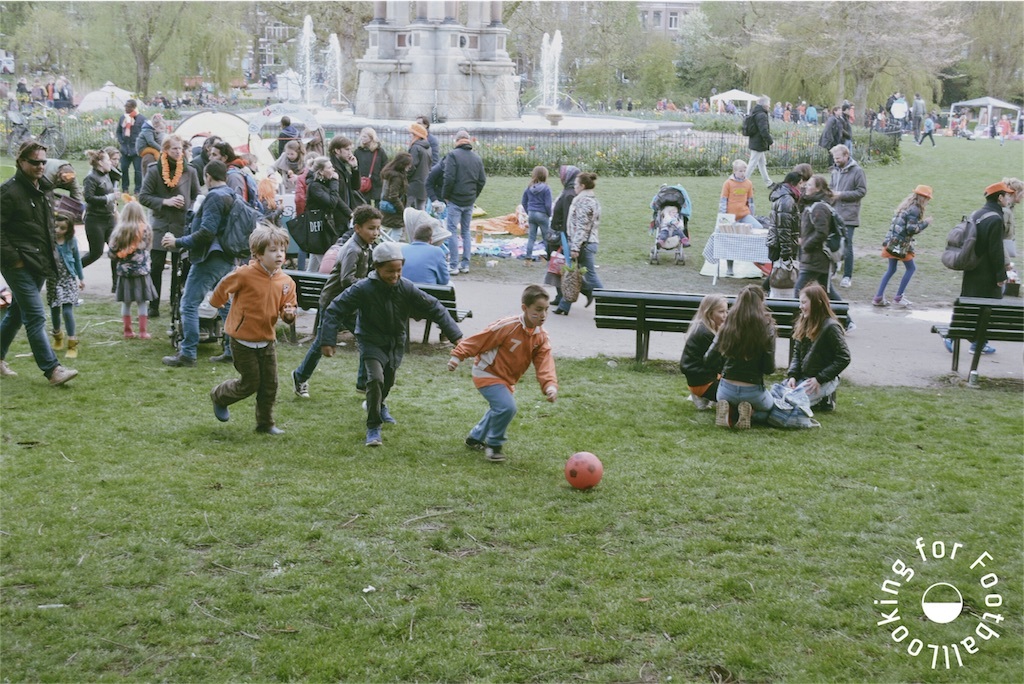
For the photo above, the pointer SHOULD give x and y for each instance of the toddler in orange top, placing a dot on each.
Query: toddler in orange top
(503, 353)
(260, 293)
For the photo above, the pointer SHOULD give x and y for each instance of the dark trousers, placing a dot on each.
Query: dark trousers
(130, 161)
(380, 380)
(156, 273)
(929, 136)
(97, 231)
(258, 371)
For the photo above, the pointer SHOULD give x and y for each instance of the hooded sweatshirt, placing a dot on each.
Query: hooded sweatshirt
(537, 198)
(559, 214)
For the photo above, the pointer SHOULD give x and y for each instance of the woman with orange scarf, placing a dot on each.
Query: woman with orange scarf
(169, 190)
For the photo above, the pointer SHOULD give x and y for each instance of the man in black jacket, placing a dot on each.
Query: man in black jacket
(28, 256)
(464, 180)
(761, 140)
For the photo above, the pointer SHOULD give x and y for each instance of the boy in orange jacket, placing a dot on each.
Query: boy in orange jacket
(503, 353)
(260, 293)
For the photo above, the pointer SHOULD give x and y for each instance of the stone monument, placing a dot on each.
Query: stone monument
(422, 61)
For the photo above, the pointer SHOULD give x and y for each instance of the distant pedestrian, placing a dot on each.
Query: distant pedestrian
(760, 141)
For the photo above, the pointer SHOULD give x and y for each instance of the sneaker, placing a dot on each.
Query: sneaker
(722, 411)
(475, 444)
(493, 454)
(949, 344)
(361, 390)
(826, 405)
(743, 422)
(385, 415)
(984, 350)
(902, 302)
(701, 403)
(453, 270)
(5, 371)
(373, 438)
(850, 327)
(272, 430)
(301, 388)
(221, 412)
(845, 282)
(60, 375)
(225, 357)
(179, 361)
(464, 269)
(879, 301)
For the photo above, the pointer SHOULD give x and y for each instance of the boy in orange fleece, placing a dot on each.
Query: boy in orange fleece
(260, 293)
(503, 353)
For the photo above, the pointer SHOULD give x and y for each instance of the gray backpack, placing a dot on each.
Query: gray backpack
(960, 243)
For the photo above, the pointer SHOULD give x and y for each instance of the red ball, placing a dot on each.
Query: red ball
(583, 470)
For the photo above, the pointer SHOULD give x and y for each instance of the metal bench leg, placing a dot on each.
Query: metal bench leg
(986, 313)
(426, 332)
(956, 354)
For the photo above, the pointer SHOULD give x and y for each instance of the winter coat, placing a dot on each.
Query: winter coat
(815, 224)
(27, 234)
(420, 151)
(127, 143)
(207, 224)
(822, 359)
(833, 133)
(383, 311)
(365, 158)
(98, 187)
(148, 137)
(395, 191)
(561, 211)
(584, 220)
(786, 221)
(698, 372)
(464, 176)
(849, 185)
(155, 191)
(762, 140)
(323, 194)
(981, 280)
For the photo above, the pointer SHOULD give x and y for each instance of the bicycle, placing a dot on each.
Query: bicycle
(21, 132)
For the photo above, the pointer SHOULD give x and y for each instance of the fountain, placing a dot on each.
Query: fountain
(550, 54)
(334, 75)
(306, 41)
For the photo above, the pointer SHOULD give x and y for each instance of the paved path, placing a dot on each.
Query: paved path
(889, 346)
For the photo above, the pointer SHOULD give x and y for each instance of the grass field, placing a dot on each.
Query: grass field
(140, 539)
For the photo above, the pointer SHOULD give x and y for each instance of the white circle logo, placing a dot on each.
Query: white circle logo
(942, 603)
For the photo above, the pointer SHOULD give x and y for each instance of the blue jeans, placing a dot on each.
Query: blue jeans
(539, 222)
(848, 253)
(27, 307)
(891, 271)
(458, 225)
(586, 259)
(67, 312)
(311, 360)
(757, 396)
(491, 428)
(202, 278)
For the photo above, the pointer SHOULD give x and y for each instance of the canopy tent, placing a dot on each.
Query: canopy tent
(229, 127)
(735, 95)
(986, 104)
(107, 97)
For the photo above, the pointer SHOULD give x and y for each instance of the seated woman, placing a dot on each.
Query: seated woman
(820, 351)
(701, 377)
(745, 346)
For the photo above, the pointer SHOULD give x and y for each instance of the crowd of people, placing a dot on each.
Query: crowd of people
(409, 213)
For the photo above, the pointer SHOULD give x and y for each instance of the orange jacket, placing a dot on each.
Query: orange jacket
(504, 350)
(737, 195)
(257, 299)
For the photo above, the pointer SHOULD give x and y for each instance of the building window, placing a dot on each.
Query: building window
(656, 19)
(643, 20)
(673, 20)
(401, 40)
(474, 42)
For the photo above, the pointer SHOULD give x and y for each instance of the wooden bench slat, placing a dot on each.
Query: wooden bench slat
(975, 318)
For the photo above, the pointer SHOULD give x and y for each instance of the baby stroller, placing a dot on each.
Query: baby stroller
(671, 209)
(211, 327)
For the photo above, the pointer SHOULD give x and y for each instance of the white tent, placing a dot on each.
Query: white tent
(107, 97)
(736, 96)
(987, 104)
(230, 128)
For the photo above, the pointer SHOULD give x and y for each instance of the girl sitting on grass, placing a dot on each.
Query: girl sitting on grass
(745, 348)
(701, 377)
(130, 242)
(820, 352)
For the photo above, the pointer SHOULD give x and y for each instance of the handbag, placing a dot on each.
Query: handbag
(385, 205)
(366, 182)
(898, 247)
(313, 231)
(572, 282)
(783, 276)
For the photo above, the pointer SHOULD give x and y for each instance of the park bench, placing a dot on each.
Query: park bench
(308, 287)
(647, 312)
(979, 318)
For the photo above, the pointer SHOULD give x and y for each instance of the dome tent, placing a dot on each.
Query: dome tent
(107, 97)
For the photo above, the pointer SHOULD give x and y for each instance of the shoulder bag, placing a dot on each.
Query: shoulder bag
(366, 182)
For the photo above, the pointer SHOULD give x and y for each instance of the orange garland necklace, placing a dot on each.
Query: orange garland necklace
(166, 171)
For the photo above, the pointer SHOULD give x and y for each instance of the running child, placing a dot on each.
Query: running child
(62, 291)
(260, 293)
(503, 353)
(130, 243)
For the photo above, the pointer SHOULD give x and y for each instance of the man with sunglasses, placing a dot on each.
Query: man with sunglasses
(27, 256)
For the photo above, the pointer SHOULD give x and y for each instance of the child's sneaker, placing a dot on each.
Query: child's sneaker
(373, 438)
(701, 403)
(475, 444)
(493, 454)
(221, 412)
(6, 371)
(984, 350)
(902, 302)
(301, 388)
(743, 422)
(949, 344)
(386, 416)
(722, 414)
(879, 301)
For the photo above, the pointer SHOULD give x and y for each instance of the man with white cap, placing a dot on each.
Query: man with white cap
(425, 260)
(464, 180)
(384, 302)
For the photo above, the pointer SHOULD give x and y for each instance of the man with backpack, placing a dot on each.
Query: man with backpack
(209, 260)
(759, 135)
(986, 274)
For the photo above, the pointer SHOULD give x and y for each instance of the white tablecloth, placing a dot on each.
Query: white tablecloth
(736, 247)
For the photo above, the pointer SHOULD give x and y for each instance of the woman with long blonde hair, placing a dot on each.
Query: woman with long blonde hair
(371, 158)
(898, 245)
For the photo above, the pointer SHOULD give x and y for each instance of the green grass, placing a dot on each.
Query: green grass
(186, 549)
